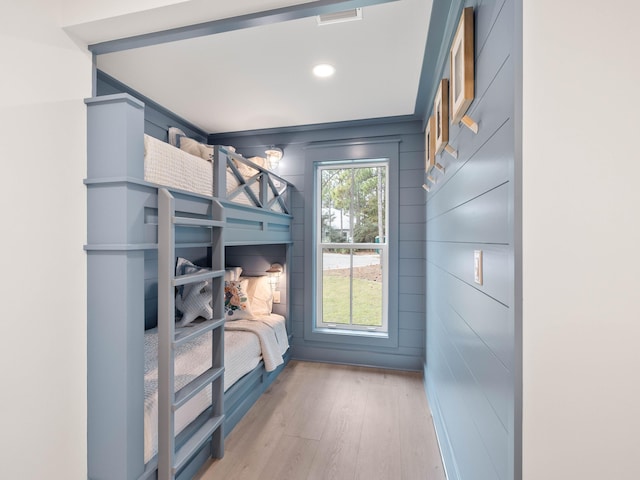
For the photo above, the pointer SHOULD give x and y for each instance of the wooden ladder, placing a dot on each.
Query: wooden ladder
(170, 459)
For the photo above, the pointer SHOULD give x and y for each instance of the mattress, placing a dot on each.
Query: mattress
(167, 165)
(241, 355)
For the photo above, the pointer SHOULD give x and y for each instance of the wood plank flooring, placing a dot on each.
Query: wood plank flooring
(334, 422)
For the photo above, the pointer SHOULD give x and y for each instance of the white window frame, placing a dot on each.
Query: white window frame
(382, 247)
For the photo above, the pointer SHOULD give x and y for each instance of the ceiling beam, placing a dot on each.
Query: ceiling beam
(442, 25)
(294, 12)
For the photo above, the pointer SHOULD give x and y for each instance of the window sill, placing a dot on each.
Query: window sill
(350, 333)
(350, 338)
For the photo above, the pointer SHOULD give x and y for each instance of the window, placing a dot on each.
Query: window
(352, 246)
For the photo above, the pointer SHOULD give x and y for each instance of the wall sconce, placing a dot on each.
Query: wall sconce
(274, 280)
(274, 154)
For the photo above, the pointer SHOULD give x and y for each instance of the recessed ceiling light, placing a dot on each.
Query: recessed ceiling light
(323, 70)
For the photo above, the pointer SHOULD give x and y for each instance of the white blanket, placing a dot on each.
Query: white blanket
(272, 343)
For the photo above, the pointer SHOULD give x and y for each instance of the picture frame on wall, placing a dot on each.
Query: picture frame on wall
(441, 114)
(430, 144)
(462, 67)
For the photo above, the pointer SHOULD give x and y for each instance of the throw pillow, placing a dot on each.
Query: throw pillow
(236, 301)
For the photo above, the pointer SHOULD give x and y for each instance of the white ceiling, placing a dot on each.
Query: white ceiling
(260, 77)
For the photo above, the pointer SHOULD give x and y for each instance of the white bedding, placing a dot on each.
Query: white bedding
(167, 165)
(242, 353)
(272, 336)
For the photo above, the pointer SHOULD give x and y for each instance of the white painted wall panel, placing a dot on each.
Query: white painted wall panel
(580, 171)
(42, 143)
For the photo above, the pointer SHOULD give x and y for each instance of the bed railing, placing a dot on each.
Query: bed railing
(273, 192)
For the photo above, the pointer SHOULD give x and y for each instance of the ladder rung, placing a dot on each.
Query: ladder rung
(204, 274)
(194, 330)
(191, 446)
(192, 388)
(196, 222)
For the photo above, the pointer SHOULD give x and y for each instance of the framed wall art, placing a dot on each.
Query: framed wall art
(441, 113)
(430, 144)
(462, 68)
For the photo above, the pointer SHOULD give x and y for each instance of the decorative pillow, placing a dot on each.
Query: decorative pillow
(206, 152)
(236, 301)
(193, 300)
(174, 136)
(260, 295)
(232, 273)
(190, 145)
(196, 148)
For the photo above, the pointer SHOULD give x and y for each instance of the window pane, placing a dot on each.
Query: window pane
(353, 204)
(335, 189)
(368, 201)
(336, 292)
(352, 201)
(351, 287)
(367, 288)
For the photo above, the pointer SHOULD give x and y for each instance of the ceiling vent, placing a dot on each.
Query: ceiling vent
(339, 17)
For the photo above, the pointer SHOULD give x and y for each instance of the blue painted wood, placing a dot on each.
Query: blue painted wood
(246, 225)
(412, 231)
(412, 196)
(115, 291)
(486, 168)
(470, 331)
(411, 214)
(411, 285)
(487, 12)
(444, 443)
(414, 321)
(294, 140)
(493, 106)
(122, 277)
(411, 362)
(246, 391)
(411, 303)
(484, 219)
(491, 432)
(411, 178)
(412, 159)
(492, 375)
(408, 338)
(489, 319)
(412, 143)
(411, 268)
(412, 249)
(470, 458)
(457, 260)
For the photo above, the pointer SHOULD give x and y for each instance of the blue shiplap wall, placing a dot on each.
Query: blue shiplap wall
(470, 328)
(409, 354)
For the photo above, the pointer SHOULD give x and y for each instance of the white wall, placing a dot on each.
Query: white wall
(581, 240)
(44, 79)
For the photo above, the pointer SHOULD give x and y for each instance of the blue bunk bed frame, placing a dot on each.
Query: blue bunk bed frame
(122, 235)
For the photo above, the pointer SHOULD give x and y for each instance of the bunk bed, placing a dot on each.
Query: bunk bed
(144, 210)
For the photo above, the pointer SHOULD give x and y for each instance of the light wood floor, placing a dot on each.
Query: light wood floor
(322, 422)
